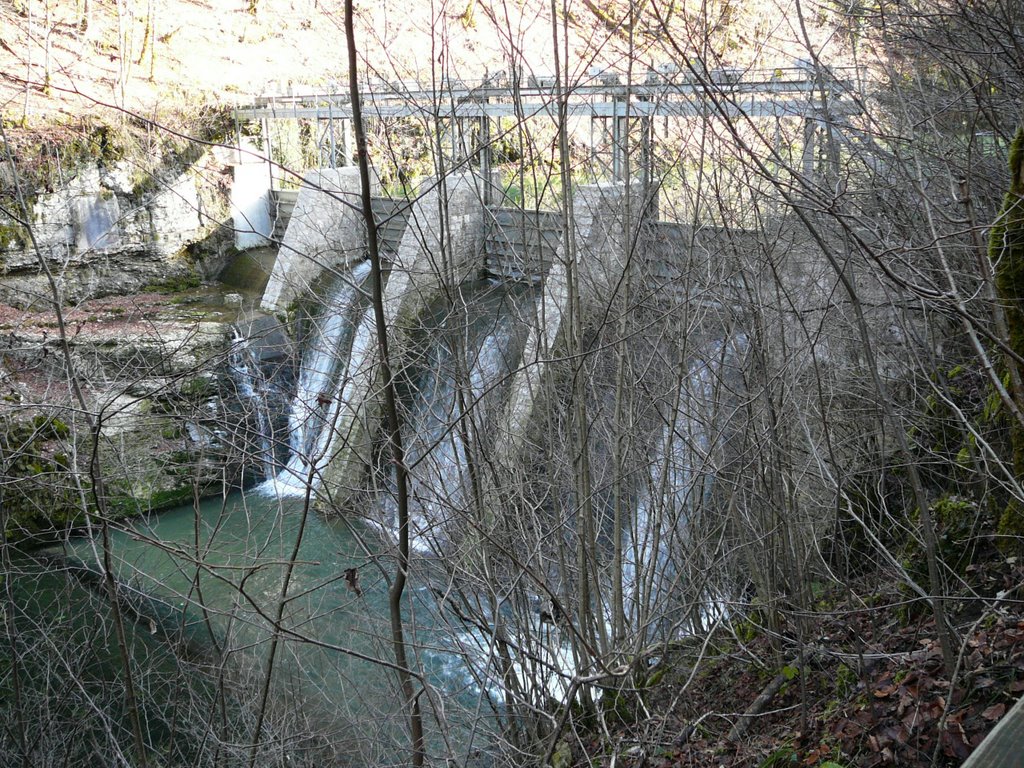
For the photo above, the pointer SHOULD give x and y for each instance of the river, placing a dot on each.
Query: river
(218, 569)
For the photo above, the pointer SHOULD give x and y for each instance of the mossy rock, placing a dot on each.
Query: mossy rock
(198, 388)
(621, 706)
(12, 236)
(40, 491)
(124, 505)
(176, 284)
(562, 756)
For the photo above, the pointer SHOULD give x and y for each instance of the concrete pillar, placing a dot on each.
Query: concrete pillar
(427, 260)
(346, 142)
(486, 162)
(620, 141)
(268, 148)
(251, 215)
(326, 231)
(330, 128)
(600, 230)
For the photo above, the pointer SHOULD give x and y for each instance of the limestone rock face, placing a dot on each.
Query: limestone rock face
(100, 234)
(159, 381)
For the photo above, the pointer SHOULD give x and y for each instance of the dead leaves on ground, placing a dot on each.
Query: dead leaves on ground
(898, 710)
(905, 705)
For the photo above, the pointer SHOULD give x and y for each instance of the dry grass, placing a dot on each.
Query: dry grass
(168, 54)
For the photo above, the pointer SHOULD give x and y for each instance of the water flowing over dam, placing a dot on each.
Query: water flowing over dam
(483, 373)
(565, 385)
(582, 385)
(336, 347)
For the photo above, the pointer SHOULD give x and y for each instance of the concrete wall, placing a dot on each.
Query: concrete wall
(251, 214)
(326, 231)
(430, 256)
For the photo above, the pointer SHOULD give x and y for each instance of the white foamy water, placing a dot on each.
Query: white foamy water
(338, 346)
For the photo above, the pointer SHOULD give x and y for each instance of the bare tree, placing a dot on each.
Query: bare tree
(761, 342)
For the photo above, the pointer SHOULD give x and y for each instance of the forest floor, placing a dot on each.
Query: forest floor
(866, 687)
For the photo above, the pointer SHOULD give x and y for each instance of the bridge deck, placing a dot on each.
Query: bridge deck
(780, 93)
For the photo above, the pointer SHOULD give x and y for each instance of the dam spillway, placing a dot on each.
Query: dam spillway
(486, 391)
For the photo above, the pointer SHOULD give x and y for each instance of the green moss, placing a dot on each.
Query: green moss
(144, 183)
(197, 388)
(1010, 530)
(128, 505)
(747, 629)
(562, 756)
(620, 706)
(953, 512)
(1006, 249)
(50, 427)
(110, 144)
(656, 677)
(40, 491)
(958, 522)
(176, 284)
(12, 236)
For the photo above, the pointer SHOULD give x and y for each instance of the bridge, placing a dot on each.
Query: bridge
(467, 114)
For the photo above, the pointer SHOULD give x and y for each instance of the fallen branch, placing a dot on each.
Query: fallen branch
(760, 703)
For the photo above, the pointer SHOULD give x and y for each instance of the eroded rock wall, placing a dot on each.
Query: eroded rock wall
(112, 230)
(163, 413)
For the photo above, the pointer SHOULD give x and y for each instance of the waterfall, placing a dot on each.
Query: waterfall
(252, 390)
(469, 355)
(679, 479)
(336, 347)
(438, 450)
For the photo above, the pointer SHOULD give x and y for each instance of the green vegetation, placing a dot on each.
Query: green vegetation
(12, 236)
(1006, 249)
(44, 494)
(197, 388)
(129, 505)
(49, 154)
(179, 283)
(41, 491)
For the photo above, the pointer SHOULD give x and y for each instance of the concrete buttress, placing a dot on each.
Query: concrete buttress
(326, 231)
(440, 249)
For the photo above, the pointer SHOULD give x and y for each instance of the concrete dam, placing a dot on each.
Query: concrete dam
(447, 237)
(555, 367)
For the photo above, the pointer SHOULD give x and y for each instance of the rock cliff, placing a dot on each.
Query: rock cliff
(112, 228)
(149, 347)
